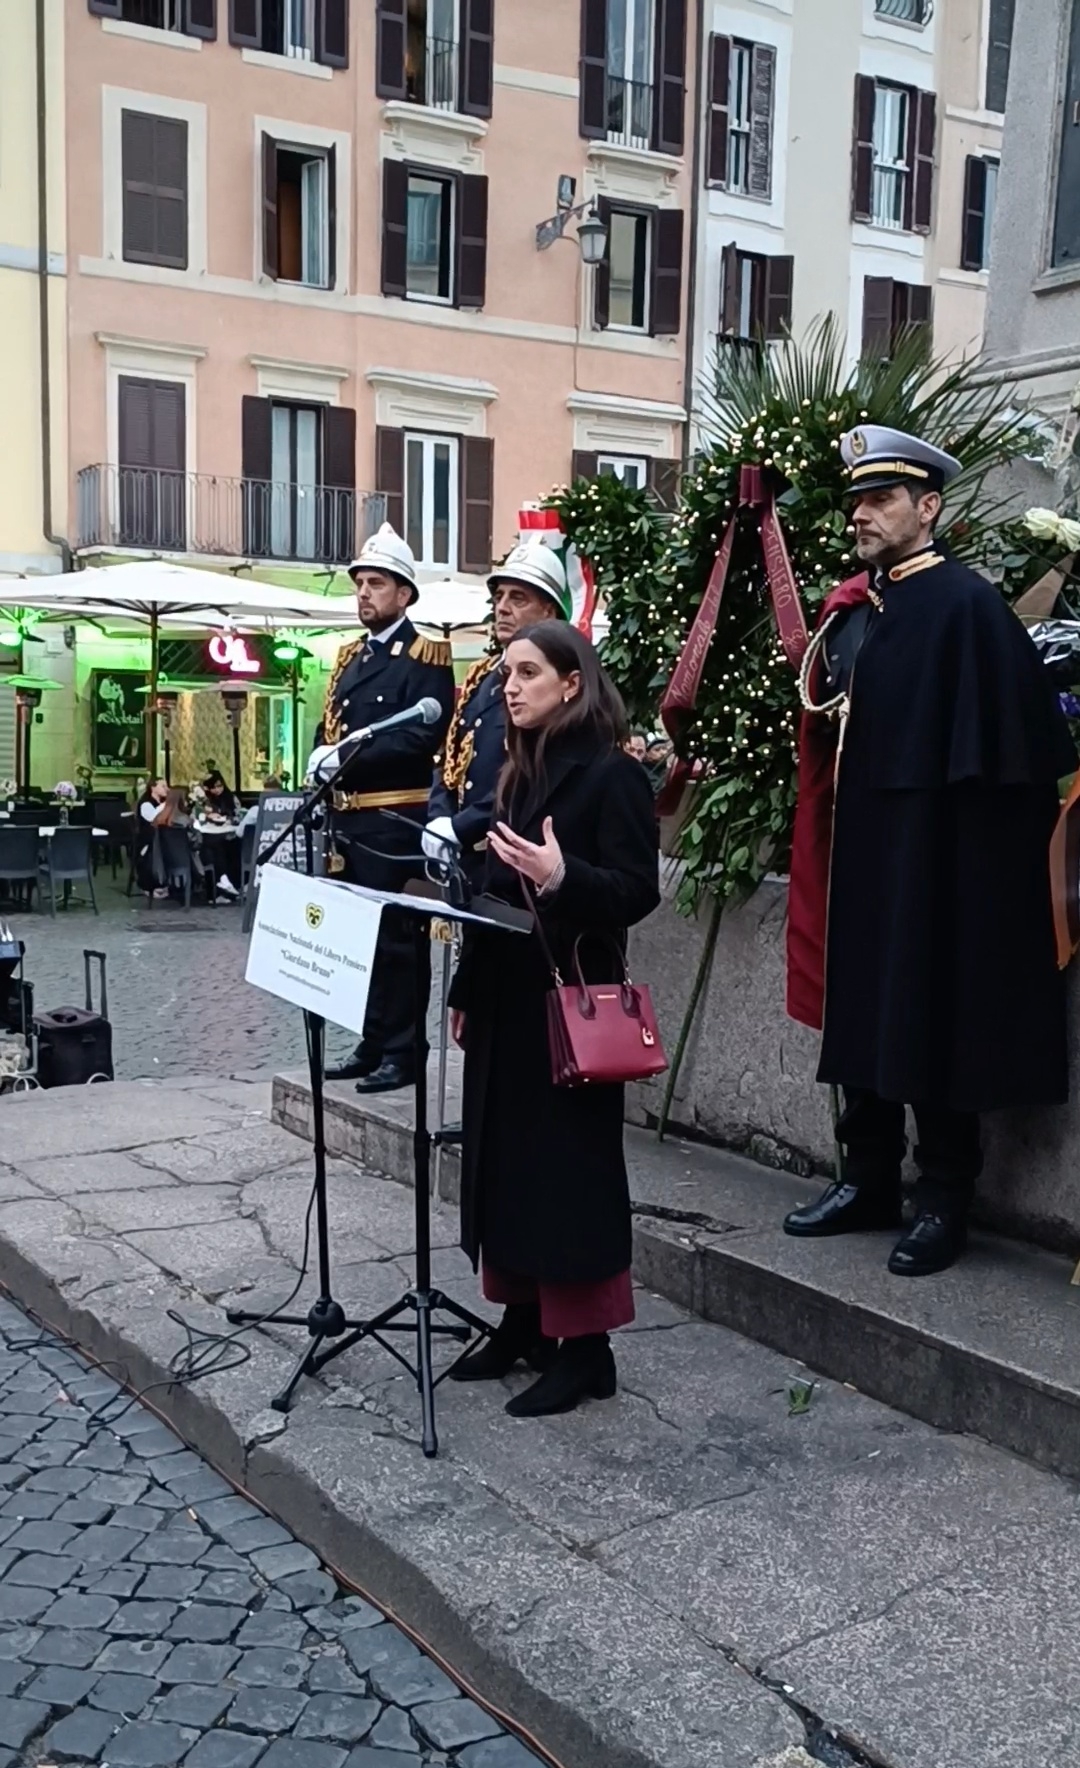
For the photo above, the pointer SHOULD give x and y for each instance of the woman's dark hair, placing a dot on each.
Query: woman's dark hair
(596, 708)
(175, 805)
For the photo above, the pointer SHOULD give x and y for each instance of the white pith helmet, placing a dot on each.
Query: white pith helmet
(386, 551)
(535, 564)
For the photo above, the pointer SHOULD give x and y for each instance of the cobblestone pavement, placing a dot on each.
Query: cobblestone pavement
(150, 1617)
(178, 1001)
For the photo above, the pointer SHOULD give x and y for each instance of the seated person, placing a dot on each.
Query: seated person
(221, 805)
(148, 810)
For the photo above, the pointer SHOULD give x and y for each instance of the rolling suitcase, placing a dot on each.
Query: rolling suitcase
(75, 1043)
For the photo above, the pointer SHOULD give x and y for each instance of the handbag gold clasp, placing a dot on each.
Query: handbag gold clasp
(647, 1036)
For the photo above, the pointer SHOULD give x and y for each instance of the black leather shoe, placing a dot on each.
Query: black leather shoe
(584, 1369)
(932, 1244)
(516, 1339)
(389, 1077)
(354, 1067)
(845, 1209)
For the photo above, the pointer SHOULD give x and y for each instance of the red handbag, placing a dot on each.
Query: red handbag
(599, 1033)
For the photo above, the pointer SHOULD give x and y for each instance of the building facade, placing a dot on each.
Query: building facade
(837, 169)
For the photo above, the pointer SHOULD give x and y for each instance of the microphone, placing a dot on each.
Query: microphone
(426, 711)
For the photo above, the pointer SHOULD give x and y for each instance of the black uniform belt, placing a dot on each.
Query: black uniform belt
(380, 800)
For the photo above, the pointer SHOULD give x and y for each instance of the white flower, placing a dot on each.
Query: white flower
(1069, 534)
(1044, 524)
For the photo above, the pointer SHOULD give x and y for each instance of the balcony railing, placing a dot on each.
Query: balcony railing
(629, 112)
(909, 12)
(432, 73)
(148, 509)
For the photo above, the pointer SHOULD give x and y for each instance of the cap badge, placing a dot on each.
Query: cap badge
(858, 444)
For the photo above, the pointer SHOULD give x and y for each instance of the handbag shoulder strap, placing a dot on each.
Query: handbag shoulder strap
(545, 946)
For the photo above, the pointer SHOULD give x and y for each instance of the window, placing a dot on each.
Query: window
(299, 30)
(893, 155)
(299, 467)
(907, 12)
(154, 162)
(633, 473)
(755, 296)
(434, 235)
(299, 213)
(633, 73)
(192, 18)
(436, 52)
(151, 461)
(999, 30)
(1066, 239)
(656, 474)
(638, 286)
(980, 197)
(439, 492)
(890, 310)
(431, 53)
(742, 79)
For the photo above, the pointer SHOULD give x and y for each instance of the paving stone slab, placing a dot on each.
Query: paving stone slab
(75, 1648)
(192, 1705)
(26, 1603)
(284, 1561)
(198, 1663)
(12, 1677)
(507, 1752)
(449, 1724)
(134, 1657)
(271, 1710)
(226, 1749)
(80, 1737)
(330, 1675)
(20, 1720)
(142, 1620)
(339, 1718)
(302, 1752)
(170, 1583)
(393, 1732)
(128, 1695)
(270, 1627)
(60, 1688)
(206, 1623)
(232, 1589)
(267, 1667)
(81, 1611)
(146, 1744)
(46, 1571)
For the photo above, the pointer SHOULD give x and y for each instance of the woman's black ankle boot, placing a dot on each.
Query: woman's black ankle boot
(516, 1339)
(583, 1370)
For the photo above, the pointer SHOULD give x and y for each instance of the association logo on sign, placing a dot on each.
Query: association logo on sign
(313, 915)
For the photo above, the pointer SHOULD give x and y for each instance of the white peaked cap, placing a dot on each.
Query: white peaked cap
(386, 551)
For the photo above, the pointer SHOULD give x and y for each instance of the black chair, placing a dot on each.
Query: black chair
(173, 862)
(107, 812)
(25, 814)
(19, 858)
(247, 859)
(67, 861)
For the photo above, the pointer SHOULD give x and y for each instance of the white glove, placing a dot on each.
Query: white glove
(323, 762)
(438, 840)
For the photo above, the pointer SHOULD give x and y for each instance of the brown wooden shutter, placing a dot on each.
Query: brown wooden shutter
(602, 276)
(973, 231)
(390, 49)
(776, 303)
(154, 154)
(877, 320)
(472, 218)
(339, 482)
(246, 23)
(862, 150)
(921, 161)
(716, 159)
(390, 473)
(729, 291)
(477, 500)
(666, 303)
(256, 465)
(151, 424)
(395, 225)
(332, 33)
(670, 98)
(920, 308)
(134, 442)
(584, 464)
(477, 57)
(200, 19)
(271, 244)
(998, 53)
(331, 217)
(592, 101)
(106, 8)
(762, 85)
(663, 481)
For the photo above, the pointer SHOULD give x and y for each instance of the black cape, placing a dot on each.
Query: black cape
(941, 981)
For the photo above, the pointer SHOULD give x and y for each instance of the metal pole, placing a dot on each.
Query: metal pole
(294, 690)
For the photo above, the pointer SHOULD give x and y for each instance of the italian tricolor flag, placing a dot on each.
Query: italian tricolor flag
(535, 523)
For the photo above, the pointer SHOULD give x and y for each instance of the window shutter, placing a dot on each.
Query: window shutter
(974, 223)
(472, 217)
(719, 96)
(779, 279)
(592, 101)
(106, 8)
(395, 223)
(877, 318)
(921, 183)
(602, 274)
(390, 49)
(245, 23)
(332, 33)
(134, 440)
(200, 19)
(670, 95)
(666, 303)
(477, 496)
(729, 291)
(477, 57)
(271, 255)
(862, 151)
(171, 177)
(155, 176)
(998, 53)
(339, 481)
(664, 476)
(256, 465)
(331, 218)
(151, 424)
(920, 309)
(762, 84)
(583, 464)
(1066, 237)
(390, 474)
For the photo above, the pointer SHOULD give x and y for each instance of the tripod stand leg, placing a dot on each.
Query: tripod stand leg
(282, 1402)
(429, 1441)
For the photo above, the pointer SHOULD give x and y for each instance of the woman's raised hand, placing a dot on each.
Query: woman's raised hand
(537, 863)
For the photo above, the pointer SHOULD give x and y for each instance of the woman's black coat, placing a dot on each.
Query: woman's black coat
(544, 1189)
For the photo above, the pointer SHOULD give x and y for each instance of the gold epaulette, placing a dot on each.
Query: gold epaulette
(924, 561)
(331, 714)
(458, 752)
(434, 651)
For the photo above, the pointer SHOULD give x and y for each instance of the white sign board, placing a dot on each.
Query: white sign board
(313, 944)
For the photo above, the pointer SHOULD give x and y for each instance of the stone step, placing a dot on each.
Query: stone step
(988, 1348)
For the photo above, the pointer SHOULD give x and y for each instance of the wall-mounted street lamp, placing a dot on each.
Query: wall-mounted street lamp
(592, 235)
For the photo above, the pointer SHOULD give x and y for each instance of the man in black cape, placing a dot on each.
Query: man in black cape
(941, 988)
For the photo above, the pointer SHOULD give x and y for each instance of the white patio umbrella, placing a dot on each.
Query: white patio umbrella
(451, 605)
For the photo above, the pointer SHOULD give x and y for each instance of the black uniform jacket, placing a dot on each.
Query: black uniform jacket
(465, 784)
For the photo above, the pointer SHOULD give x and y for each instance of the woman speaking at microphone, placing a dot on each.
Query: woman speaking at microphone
(545, 1201)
